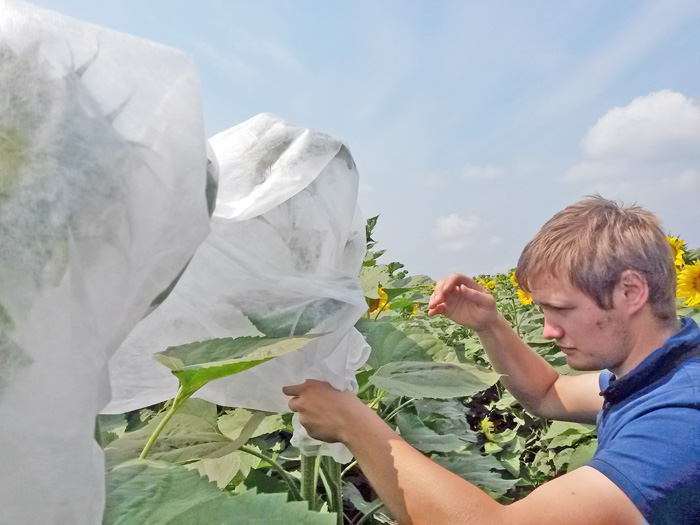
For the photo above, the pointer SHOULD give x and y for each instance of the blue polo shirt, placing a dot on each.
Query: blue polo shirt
(649, 430)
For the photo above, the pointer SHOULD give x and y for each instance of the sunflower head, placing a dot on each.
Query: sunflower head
(377, 305)
(513, 280)
(412, 310)
(524, 297)
(689, 284)
(677, 250)
(486, 427)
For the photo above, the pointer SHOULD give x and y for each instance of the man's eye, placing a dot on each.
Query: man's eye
(557, 308)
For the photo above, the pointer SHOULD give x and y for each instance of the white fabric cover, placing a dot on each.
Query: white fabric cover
(102, 203)
(283, 256)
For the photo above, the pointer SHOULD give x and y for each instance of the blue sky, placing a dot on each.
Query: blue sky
(471, 122)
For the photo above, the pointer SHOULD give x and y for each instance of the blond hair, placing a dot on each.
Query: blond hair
(593, 241)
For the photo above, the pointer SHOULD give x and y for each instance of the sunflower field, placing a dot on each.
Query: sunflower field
(191, 461)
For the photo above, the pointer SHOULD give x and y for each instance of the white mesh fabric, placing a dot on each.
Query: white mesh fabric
(283, 256)
(102, 203)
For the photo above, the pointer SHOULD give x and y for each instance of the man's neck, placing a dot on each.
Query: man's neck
(646, 334)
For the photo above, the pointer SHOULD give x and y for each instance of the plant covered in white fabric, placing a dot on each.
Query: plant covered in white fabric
(102, 203)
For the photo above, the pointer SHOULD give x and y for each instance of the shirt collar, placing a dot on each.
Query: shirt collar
(683, 345)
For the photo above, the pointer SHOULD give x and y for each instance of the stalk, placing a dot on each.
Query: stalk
(98, 432)
(177, 403)
(334, 487)
(399, 409)
(276, 466)
(381, 310)
(309, 479)
(375, 402)
(370, 512)
(364, 388)
(516, 321)
(347, 469)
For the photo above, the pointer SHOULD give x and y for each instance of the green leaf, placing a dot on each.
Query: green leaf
(234, 423)
(446, 417)
(352, 495)
(262, 481)
(429, 379)
(510, 459)
(195, 364)
(112, 426)
(371, 258)
(393, 293)
(399, 341)
(276, 318)
(536, 338)
(371, 277)
(191, 434)
(479, 470)
(413, 281)
(582, 455)
(562, 458)
(401, 303)
(691, 255)
(565, 427)
(222, 470)
(153, 493)
(423, 438)
(565, 440)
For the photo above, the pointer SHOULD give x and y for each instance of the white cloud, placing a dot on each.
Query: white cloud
(653, 127)
(453, 232)
(654, 138)
(482, 173)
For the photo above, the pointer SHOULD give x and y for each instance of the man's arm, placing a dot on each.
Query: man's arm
(419, 491)
(533, 382)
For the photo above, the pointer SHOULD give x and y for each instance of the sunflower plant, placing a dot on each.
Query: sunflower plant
(687, 264)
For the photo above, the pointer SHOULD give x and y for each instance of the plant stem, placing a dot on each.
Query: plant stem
(382, 309)
(98, 432)
(326, 486)
(177, 403)
(346, 469)
(333, 486)
(309, 479)
(364, 388)
(377, 399)
(276, 466)
(516, 322)
(399, 408)
(370, 512)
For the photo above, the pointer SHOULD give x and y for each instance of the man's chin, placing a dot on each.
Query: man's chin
(581, 366)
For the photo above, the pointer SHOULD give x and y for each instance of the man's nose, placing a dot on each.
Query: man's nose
(551, 330)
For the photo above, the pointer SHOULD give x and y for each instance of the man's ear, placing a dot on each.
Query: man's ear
(633, 291)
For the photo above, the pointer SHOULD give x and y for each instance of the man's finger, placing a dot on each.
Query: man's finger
(454, 281)
(292, 390)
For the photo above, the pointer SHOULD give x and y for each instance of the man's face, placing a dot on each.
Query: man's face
(591, 338)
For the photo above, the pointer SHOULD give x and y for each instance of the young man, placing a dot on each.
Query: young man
(605, 279)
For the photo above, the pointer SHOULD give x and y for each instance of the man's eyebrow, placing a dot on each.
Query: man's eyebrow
(549, 304)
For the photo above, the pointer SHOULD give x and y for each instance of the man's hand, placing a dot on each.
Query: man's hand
(465, 302)
(325, 412)
(417, 490)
